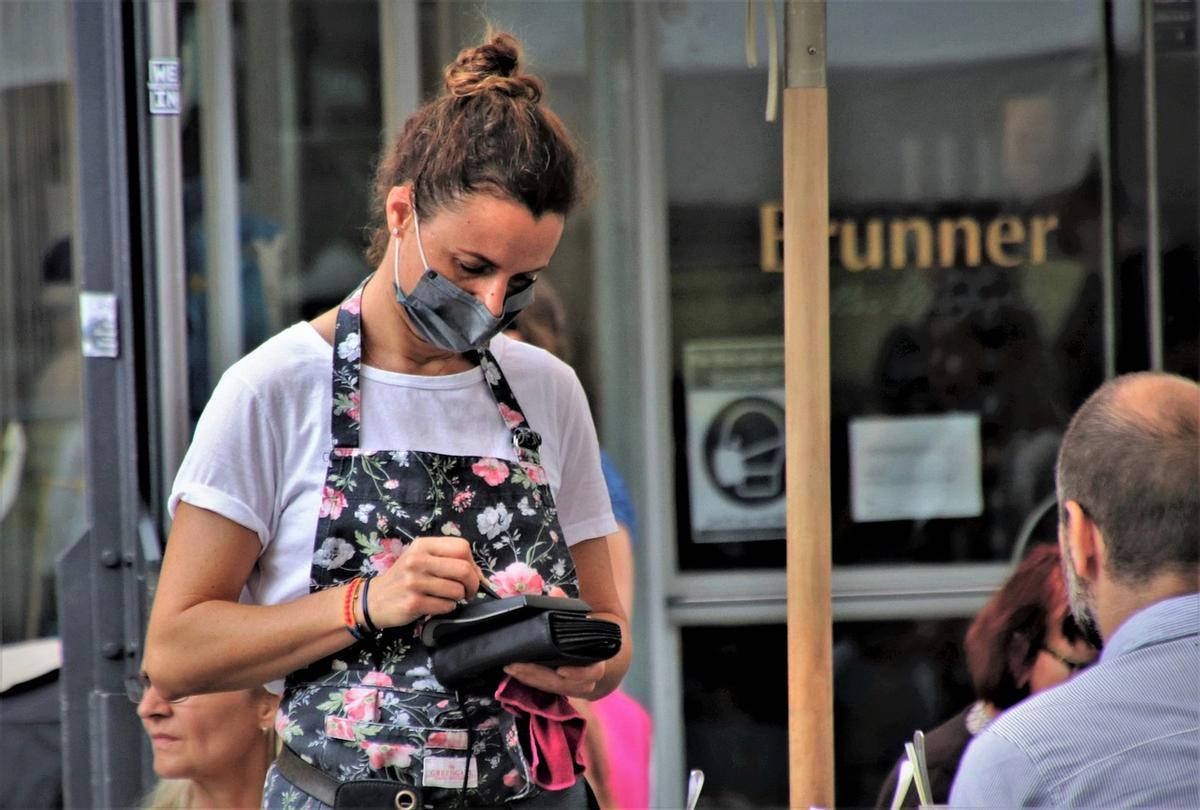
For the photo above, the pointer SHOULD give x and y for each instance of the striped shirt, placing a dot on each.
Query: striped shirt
(1123, 733)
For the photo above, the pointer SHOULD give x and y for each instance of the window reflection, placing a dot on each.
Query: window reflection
(966, 263)
(735, 717)
(308, 127)
(890, 678)
(42, 506)
(965, 277)
(723, 163)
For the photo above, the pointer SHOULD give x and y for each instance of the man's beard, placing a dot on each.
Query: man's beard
(1079, 598)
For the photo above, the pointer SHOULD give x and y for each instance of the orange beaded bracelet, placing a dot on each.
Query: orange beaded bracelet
(348, 609)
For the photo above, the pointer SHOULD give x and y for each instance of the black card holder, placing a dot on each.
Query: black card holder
(471, 644)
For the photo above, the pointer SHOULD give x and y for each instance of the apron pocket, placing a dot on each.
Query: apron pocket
(423, 757)
(408, 728)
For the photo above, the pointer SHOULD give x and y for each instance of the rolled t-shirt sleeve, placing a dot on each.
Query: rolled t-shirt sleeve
(232, 466)
(584, 508)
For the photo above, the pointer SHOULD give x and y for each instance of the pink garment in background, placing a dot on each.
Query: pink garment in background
(627, 730)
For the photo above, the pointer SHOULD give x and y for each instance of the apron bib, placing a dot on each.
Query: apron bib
(374, 710)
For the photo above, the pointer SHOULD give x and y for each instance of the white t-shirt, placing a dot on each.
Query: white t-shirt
(259, 455)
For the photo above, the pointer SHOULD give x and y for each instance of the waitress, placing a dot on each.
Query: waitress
(363, 471)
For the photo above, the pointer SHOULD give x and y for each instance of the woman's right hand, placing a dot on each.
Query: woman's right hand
(428, 578)
(201, 638)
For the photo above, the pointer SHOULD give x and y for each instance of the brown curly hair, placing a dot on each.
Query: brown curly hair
(487, 132)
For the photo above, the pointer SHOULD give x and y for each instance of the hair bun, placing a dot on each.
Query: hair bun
(493, 66)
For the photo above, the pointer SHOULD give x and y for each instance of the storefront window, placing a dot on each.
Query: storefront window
(967, 267)
(889, 679)
(42, 507)
(967, 275)
(309, 119)
(724, 161)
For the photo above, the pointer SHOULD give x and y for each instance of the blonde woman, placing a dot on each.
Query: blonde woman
(209, 750)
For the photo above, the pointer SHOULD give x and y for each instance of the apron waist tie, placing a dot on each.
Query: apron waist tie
(309, 778)
(324, 788)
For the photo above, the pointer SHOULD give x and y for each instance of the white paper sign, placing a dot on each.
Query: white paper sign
(915, 467)
(98, 324)
(162, 90)
(735, 439)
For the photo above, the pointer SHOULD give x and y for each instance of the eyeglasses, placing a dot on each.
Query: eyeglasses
(1069, 663)
(136, 686)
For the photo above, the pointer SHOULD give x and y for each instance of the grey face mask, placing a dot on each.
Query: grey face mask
(447, 317)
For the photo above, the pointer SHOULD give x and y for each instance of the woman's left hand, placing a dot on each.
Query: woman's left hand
(596, 587)
(577, 682)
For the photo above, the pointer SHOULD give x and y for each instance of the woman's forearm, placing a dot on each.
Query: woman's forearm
(218, 645)
(617, 666)
(594, 568)
(200, 638)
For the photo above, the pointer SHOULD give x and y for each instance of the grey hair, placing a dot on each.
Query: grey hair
(1135, 471)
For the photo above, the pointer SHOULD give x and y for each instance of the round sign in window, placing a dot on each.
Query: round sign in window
(744, 451)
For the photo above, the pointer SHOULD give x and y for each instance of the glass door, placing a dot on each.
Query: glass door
(276, 171)
(970, 313)
(42, 506)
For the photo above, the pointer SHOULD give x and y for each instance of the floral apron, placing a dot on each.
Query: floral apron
(374, 710)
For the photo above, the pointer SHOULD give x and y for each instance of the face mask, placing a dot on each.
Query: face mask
(447, 317)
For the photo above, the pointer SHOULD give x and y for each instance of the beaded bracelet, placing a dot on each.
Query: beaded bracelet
(348, 609)
(366, 588)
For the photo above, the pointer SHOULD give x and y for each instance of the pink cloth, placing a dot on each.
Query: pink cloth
(555, 732)
(627, 731)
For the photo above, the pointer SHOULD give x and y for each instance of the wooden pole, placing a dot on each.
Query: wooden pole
(806, 336)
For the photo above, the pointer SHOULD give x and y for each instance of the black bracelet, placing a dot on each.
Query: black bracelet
(366, 587)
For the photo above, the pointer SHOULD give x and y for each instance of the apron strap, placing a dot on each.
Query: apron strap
(526, 441)
(347, 359)
(347, 399)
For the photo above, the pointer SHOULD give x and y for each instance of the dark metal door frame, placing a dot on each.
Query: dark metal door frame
(102, 583)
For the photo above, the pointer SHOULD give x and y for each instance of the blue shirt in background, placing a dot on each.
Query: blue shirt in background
(1124, 733)
(618, 493)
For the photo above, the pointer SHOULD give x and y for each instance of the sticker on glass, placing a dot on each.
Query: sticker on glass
(98, 324)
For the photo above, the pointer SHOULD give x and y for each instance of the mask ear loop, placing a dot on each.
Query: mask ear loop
(396, 258)
(396, 249)
(417, 228)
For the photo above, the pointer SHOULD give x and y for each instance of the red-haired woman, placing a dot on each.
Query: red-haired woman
(1023, 641)
(427, 451)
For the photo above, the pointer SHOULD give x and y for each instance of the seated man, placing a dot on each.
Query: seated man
(1126, 732)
